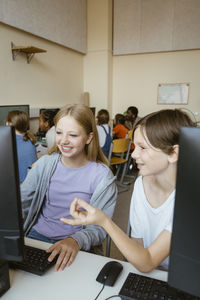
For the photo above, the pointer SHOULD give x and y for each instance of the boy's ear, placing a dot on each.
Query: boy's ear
(173, 157)
(90, 137)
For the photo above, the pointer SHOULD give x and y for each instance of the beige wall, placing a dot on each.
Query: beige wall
(116, 82)
(136, 79)
(98, 60)
(52, 79)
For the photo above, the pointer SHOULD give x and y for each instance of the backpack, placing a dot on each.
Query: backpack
(106, 147)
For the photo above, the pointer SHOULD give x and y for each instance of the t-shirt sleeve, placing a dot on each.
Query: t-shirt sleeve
(135, 214)
(168, 227)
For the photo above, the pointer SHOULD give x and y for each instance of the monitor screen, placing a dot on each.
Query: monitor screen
(4, 110)
(11, 224)
(184, 264)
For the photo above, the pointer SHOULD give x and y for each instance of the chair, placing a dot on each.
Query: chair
(131, 161)
(118, 156)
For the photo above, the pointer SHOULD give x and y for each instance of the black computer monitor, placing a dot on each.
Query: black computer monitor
(5, 109)
(184, 263)
(11, 223)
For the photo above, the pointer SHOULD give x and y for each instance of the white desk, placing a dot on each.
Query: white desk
(78, 282)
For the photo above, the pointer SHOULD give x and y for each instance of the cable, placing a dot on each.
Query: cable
(113, 297)
(100, 291)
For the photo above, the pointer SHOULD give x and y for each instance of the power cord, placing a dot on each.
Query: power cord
(100, 291)
(113, 296)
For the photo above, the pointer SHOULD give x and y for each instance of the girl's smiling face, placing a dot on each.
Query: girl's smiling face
(149, 160)
(71, 138)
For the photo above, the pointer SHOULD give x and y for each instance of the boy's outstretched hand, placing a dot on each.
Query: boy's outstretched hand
(84, 214)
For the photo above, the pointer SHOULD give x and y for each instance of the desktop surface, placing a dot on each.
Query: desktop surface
(78, 282)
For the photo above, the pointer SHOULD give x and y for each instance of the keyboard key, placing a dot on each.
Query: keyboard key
(145, 288)
(35, 261)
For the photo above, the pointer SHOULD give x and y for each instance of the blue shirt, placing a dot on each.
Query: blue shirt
(26, 153)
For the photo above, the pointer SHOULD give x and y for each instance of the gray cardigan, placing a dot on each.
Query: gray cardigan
(33, 193)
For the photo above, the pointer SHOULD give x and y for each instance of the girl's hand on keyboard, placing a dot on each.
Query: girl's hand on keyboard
(66, 250)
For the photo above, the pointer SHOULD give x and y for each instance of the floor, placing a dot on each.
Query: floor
(120, 217)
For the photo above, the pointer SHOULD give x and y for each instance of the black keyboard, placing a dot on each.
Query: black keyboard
(146, 288)
(35, 261)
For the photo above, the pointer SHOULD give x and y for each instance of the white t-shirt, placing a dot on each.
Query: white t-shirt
(148, 222)
(50, 137)
(102, 134)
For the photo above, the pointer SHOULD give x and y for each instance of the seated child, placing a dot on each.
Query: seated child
(119, 130)
(104, 131)
(156, 139)
(75, 165)
(46, 124)
(26, 151)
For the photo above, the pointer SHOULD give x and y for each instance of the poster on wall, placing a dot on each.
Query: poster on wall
(173, 93)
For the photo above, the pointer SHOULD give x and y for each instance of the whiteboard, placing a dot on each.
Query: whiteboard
(174, 93)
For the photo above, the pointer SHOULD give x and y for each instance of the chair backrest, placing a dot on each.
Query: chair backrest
(120, 145)
(130, 135)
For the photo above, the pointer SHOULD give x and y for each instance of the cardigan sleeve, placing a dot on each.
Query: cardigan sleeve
(104, 198)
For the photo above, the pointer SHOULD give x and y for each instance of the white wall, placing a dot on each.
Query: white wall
(116, 82)
(98, 60)
(136, 79)
(52, 79)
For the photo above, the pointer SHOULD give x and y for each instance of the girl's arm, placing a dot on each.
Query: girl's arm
(144, 259)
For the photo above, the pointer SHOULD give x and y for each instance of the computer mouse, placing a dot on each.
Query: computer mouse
(109, 273)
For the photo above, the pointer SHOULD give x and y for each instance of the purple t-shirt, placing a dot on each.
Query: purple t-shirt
(66, 184)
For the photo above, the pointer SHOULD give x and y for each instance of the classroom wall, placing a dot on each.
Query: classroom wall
(136, 79)
(51, 79)
(116, 82)
(61, 75)
(98, 60)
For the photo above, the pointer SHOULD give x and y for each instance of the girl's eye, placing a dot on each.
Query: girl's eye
(58, 132)
(73, 135)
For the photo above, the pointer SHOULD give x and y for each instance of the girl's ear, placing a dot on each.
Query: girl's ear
(90, 137)
(173, 157)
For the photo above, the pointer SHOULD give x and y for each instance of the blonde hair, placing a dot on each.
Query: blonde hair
(19, 119)
(85, 118)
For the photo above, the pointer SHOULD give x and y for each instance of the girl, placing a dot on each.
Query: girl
(104, 131)
(46, 124)
(26, 151)
(74, 166)
(119, 130)
(156, 140)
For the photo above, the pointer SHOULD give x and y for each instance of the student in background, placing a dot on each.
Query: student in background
(119, 130)
(74, 166)
(104, 131)
(26, 151)
(131, 117)
(46, 124)
(156, 139)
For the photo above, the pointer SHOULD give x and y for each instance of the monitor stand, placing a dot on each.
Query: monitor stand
(4, 277)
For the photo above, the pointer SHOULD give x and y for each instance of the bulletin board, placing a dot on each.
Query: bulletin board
(173, 93)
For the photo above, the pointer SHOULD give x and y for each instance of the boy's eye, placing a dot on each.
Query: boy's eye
(58, 132)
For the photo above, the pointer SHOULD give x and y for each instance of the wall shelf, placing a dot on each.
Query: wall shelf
(29, 51)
